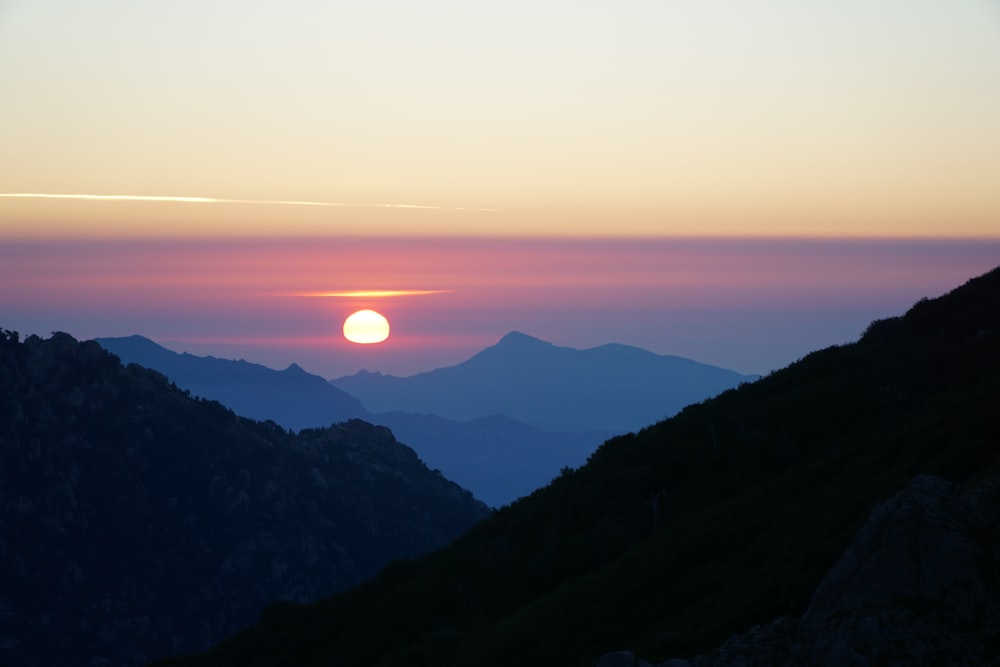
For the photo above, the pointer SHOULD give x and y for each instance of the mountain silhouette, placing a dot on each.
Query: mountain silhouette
(497, 458)
(729, 532)
(291, 397)
(138, 521)
(612, 388)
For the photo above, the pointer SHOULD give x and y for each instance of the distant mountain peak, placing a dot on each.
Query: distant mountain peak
(134, 339)
(518, 340)
(364, 372)
(513, 347)
(612, 388)
(516, 337)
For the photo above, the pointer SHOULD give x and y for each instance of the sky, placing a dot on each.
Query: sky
(752, 305)
(736, 182)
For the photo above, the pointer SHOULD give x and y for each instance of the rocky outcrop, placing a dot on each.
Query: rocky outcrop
(914, 586)
(918, 585)
(621, 659)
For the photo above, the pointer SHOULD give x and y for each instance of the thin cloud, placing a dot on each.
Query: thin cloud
(216, 200)
(373, 294)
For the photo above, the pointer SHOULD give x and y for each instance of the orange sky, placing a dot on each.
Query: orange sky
(692, 177)
(686, 118)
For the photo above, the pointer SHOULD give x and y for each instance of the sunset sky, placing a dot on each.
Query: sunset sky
(735, 181)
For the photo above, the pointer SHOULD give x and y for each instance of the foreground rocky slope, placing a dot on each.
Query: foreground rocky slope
(138, 522)
(918, 585)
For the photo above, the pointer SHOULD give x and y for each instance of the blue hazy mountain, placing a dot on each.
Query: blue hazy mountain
(497, 458)
(614, 387)
(292, 397)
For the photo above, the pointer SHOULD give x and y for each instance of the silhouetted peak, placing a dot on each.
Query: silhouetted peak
(513, 346)
(971, 310)
(135, 339)
(516, 340)
(61, 340)
(133, 343)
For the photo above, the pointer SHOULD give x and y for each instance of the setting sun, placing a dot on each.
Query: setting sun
(366, 327)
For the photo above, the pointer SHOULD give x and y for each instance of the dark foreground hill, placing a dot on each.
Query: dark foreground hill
(916, 586)
(729, 515)
(497, 458)
(138, 522)
(612, 388)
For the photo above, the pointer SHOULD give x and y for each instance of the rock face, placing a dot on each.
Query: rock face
(622, 659)
(137, 522)
(917, 586)
(914, 586)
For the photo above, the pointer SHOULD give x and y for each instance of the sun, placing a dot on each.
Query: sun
(366, 327)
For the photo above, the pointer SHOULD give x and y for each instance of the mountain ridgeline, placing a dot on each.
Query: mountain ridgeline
(501, 424)
(139, 522)
(498, 458)
(724, 517)
(611, 388)
(292, 397)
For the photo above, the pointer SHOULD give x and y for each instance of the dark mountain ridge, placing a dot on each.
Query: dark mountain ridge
(611, 388)
(138, 522)
(724, 517)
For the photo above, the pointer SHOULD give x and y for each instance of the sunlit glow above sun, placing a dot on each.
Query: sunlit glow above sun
(366, 327)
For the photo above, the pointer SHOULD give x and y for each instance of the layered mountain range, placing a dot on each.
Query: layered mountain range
(612, 388)
(482, 422)
(740, 531)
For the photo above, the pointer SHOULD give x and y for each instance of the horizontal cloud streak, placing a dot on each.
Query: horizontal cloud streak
(374, 294)
(217, 200)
